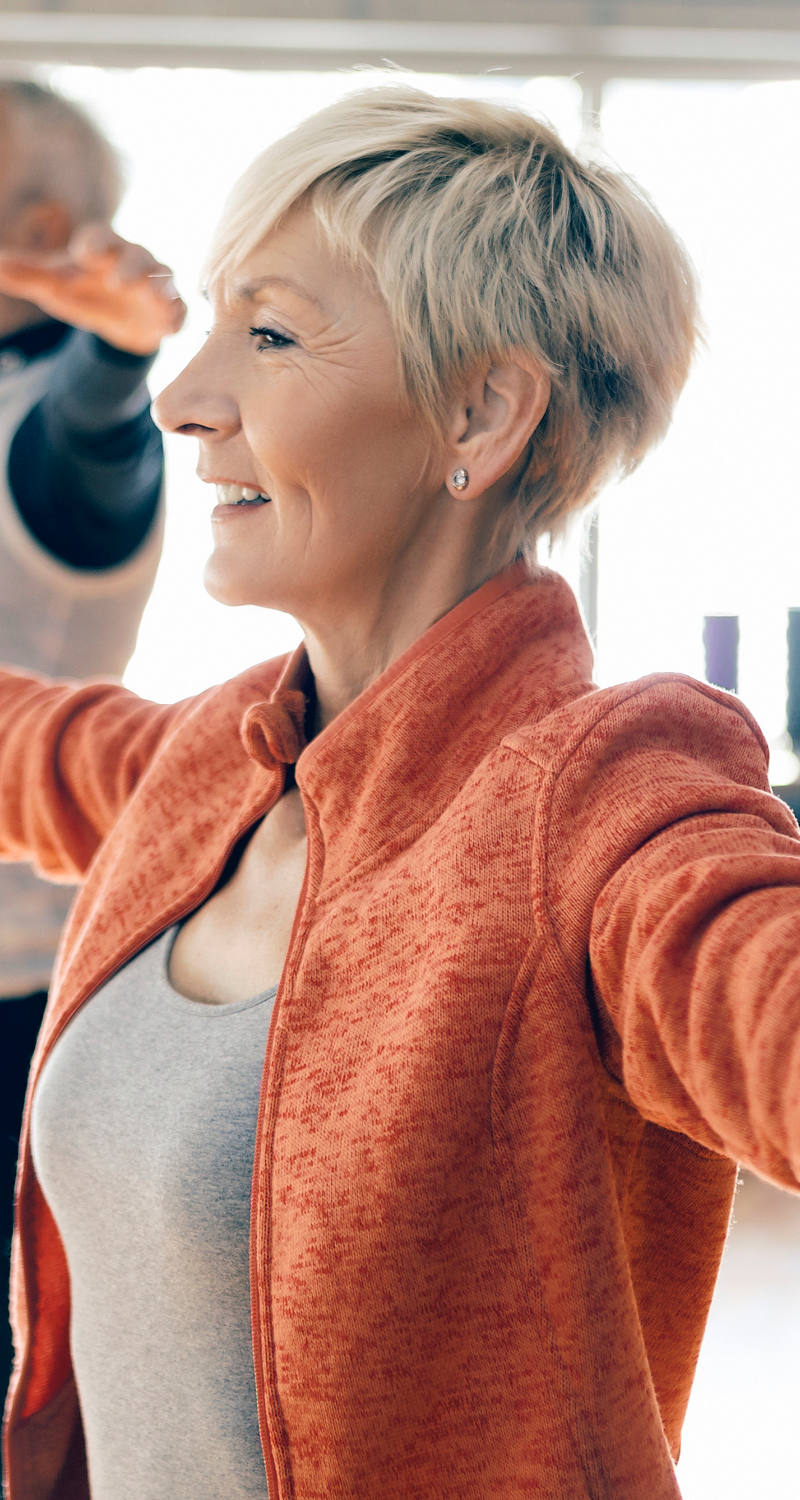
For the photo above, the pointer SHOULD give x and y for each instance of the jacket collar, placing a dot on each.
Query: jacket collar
(387, 766)
(508, 652)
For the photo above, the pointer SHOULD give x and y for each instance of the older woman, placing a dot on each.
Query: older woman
(420, 997)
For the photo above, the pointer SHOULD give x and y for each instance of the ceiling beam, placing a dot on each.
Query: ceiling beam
(435, 46)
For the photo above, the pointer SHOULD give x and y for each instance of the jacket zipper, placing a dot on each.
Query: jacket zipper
(165, 920)
(264, 1360)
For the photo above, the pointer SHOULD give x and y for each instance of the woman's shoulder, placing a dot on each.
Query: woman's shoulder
(658, 714)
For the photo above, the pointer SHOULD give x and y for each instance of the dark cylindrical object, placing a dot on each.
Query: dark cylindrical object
(721, 641)
(793, 679)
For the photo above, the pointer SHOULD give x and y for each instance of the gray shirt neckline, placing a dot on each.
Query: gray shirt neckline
(176, 997)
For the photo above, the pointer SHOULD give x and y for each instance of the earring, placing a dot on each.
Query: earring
(460, 479)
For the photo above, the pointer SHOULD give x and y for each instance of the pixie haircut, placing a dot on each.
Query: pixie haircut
(485, 235)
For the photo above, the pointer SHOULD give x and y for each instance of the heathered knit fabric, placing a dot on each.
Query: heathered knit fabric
(543, 989)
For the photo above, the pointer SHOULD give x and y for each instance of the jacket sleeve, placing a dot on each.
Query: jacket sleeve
(687, 874)
(70, 757)
(86, 464)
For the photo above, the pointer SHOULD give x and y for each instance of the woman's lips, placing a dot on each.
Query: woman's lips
(239, 507)
(233, 497)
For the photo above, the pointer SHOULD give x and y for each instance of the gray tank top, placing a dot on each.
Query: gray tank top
(143, 1134)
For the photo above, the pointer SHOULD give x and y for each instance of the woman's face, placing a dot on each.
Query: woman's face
(297, 398)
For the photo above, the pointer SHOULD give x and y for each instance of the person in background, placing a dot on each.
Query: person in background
(82, 314)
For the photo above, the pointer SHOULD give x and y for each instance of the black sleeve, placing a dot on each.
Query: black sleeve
(86, 465)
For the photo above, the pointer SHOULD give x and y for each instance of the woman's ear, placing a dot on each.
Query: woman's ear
(498, 410)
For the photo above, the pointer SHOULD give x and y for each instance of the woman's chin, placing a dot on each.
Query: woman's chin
(233, 584)
(226, 584)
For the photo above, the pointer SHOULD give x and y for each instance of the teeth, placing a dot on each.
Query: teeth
(238, 494)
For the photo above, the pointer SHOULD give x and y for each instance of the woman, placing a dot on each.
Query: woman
(420, 997)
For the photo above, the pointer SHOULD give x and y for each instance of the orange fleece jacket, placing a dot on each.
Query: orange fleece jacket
(543, 990)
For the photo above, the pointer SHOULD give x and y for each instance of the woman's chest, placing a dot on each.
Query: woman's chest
(235, 944)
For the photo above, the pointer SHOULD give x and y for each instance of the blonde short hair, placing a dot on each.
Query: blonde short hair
(484, 234)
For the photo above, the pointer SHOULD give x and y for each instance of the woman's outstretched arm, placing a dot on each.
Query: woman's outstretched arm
(70, 757)
(676, 874)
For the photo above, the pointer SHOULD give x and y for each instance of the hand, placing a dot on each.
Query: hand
(100, 283)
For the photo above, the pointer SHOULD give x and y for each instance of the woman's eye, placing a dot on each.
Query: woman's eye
(270, 338)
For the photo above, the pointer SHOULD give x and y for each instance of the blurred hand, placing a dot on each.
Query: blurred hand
(100, 283)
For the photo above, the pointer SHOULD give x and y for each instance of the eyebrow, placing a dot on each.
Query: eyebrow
(248, 291)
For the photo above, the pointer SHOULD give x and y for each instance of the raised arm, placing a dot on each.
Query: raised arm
(85, 465)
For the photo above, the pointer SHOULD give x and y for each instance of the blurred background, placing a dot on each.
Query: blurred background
(700, 102)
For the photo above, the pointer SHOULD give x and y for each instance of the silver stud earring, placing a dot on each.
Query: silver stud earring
(460, 479)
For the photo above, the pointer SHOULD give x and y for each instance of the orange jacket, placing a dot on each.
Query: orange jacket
(542, 990)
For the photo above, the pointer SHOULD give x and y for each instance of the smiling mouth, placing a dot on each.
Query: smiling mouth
(240, 494)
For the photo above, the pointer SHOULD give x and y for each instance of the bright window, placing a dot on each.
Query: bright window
(711, 523)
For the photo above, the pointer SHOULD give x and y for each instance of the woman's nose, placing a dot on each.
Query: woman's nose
(195, 404)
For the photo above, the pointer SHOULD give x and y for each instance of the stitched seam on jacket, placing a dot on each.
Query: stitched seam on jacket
(553, 774)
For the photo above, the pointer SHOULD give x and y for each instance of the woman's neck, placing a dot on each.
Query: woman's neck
(350, 655)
